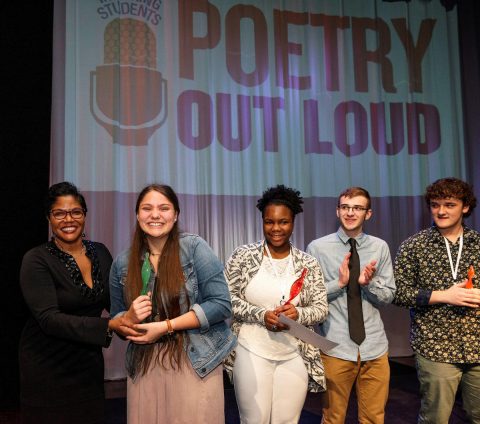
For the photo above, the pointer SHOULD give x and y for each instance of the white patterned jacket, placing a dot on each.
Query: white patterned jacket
(312, 308)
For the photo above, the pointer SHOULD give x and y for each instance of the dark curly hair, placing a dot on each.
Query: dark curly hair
(64, 188)
(281, 195)
(445, 188)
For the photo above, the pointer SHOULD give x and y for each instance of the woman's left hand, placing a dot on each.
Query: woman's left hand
(289, 311)
(151, 332)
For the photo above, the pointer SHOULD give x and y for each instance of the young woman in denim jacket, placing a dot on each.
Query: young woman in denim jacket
(271, 369)
(170, 287)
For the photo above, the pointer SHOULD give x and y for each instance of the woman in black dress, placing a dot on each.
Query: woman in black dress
(65, 285)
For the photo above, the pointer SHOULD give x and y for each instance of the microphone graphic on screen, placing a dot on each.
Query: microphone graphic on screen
(128, 96)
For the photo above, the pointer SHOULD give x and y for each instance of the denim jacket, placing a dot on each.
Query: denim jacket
(209, 298)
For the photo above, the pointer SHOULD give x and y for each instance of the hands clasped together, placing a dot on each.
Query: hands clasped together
(130, 324)
(271, 317)
(366, 274)
(458, 295)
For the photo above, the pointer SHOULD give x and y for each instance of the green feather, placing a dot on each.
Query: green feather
(146, 271)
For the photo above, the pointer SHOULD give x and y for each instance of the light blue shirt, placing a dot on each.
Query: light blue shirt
(330, 252)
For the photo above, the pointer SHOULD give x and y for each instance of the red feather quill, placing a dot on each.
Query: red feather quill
(470, 275)
(297, 286)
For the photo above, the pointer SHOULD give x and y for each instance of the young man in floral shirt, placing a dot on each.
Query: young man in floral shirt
(431, 276)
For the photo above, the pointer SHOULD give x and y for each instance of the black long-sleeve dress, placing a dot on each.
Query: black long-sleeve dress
(60, 353)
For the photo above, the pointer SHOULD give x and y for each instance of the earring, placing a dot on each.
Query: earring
(83, 235)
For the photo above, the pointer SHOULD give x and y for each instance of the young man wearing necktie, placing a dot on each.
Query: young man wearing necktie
(359, 278)
(432, 270)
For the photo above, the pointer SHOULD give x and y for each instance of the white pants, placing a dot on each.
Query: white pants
(269, 391)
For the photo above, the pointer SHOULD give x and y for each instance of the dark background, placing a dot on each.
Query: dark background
(26, 52)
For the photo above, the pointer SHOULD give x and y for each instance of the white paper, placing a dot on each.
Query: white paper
(307, 335)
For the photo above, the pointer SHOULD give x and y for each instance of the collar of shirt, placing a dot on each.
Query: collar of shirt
(434, 233)
(360, 239)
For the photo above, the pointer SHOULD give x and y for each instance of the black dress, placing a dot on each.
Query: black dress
(60, 354)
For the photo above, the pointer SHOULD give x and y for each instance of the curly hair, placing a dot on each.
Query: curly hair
(281, 195)
(64, 188)
(451, 187)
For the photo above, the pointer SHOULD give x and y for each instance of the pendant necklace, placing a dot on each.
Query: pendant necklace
(288, 271)
(72, 254)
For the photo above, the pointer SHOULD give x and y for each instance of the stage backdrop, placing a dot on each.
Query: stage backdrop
(222, 99)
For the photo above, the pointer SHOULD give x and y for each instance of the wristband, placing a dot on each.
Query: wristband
(169, 327)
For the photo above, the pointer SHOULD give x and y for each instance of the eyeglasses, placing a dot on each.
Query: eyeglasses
(356, 208)
(76, 213)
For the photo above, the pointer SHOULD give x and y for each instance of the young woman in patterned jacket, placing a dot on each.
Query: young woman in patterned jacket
(271, 369)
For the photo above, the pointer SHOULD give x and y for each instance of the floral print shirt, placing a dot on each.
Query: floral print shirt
(439, 332)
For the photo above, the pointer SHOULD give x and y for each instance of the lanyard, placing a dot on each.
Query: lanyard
(288, 271)
(459, 254)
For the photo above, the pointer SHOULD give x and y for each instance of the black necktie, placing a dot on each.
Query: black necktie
(354, 297)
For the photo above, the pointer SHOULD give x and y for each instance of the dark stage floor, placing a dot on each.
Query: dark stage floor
(402, 405)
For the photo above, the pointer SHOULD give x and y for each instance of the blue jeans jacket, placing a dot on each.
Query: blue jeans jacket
(209, 298)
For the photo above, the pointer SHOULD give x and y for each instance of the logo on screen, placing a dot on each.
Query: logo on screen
(128, 95)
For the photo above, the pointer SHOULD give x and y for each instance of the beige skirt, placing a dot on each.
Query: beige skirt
(176, 396)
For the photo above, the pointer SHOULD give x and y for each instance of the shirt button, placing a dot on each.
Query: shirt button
(192, 349)
(204, 370)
